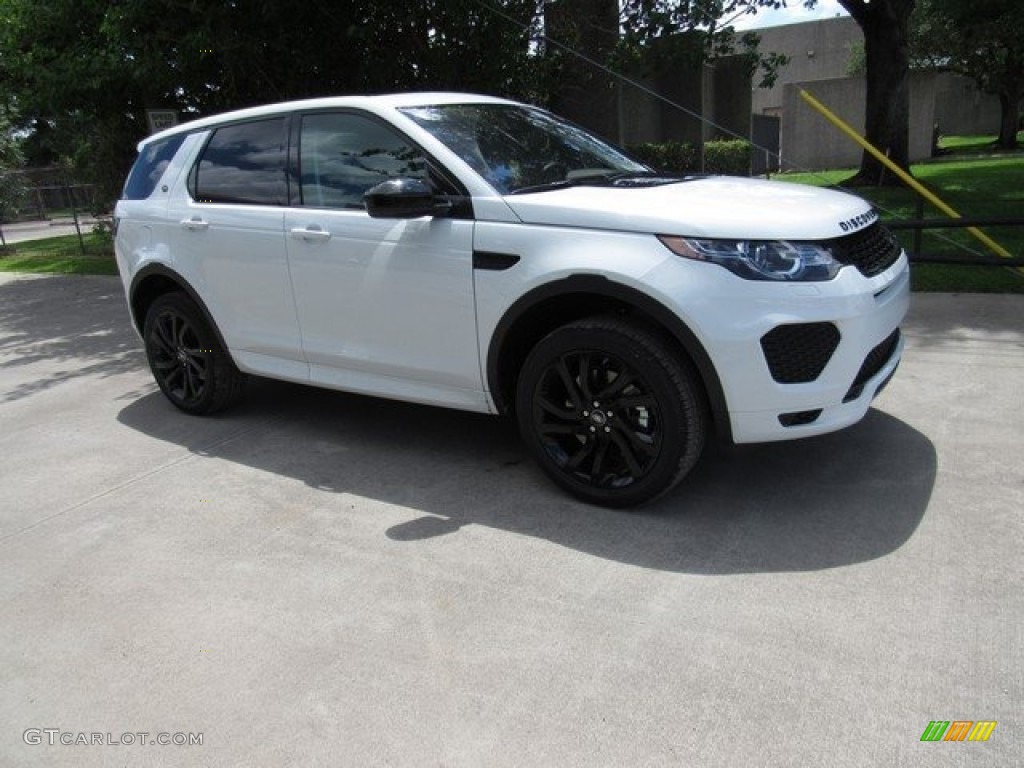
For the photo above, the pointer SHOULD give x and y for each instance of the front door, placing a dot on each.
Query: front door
(385, 305)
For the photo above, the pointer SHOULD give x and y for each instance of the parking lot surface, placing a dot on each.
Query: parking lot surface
(317, 578)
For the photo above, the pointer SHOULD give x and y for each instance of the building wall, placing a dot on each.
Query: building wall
(962, 110)
(818, 50)
(820, 53)
(811, 143)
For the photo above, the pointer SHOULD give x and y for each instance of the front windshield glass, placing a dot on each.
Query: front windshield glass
(520, 149)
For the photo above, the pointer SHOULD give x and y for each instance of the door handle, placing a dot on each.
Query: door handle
(195, 224)
(311, 234)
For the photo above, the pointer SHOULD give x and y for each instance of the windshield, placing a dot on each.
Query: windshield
(519, 149)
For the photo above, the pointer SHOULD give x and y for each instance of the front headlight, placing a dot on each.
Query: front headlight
(759, 259)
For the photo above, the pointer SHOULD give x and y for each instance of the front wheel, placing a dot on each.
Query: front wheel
(610, 412)
(189, 364)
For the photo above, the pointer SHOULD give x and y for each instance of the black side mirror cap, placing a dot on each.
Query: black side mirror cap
(404, 199)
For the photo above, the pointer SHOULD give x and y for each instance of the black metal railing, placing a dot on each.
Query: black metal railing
(919, 224)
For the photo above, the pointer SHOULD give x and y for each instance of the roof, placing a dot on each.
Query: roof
(371, 103)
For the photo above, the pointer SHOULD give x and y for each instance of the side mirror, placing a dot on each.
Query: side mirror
(404, 199)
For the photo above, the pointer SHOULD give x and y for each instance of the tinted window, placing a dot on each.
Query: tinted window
(342, 155)
(244, 163)
(150, 166)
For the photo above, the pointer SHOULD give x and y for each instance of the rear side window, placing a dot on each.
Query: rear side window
(343, 155)
(244, 163)
(150, 166)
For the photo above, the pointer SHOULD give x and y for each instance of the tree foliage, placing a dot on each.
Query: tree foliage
(982, 39)
(11, 182)
(707, 26)
(82, 73)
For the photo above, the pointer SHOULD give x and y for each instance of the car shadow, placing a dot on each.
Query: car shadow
(76, 326)
(805, 505)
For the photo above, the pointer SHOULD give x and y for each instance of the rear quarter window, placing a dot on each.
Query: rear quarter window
(150, 166)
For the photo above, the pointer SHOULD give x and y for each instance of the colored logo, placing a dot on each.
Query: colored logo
(958, 730)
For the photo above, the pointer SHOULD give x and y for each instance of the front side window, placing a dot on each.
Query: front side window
(342, 155)
(244, 163)
(516, 148)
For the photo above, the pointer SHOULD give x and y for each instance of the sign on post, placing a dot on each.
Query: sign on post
(161, 119)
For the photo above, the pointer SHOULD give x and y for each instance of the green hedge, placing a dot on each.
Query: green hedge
(731, 158)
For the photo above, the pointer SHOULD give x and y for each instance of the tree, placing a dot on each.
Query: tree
(982, 39)
(12, 186)
(82, 73)
(708, 23)
(886, 28)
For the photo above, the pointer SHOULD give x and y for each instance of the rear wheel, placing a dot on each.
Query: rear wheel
(610, 412)
(188, 362)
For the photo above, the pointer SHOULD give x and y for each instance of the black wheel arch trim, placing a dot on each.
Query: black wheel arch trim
(161, 270)
(598, 285)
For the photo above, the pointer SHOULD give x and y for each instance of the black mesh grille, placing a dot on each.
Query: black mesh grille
(873, 363)
(872, 250)
(799, 418)
(799, 353)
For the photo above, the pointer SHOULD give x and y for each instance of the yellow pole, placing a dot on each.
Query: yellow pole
(906, 177)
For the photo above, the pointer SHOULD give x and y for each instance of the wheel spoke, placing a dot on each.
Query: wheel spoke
(585, 450)
(635, 401)
(191, 386)
(161, 338)
(173, 376)
(571, 388)
(635, 470)
(556, 410)
(622, 380)
(584, 377)
(560, 429)
(595, 470)
(635, 440)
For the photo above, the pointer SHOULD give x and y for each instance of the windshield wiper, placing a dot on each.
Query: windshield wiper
(595, 177)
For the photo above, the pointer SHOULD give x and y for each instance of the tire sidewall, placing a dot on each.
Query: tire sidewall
(181, 305)
(679, 407)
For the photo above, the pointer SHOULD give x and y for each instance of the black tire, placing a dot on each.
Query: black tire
(188, 362)
(645, 432)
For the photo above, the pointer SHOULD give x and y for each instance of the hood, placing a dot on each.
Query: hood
(713, 206)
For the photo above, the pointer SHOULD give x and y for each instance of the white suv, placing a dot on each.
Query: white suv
(475, 253)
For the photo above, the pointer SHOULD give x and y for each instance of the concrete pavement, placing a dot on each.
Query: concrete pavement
(316, 578)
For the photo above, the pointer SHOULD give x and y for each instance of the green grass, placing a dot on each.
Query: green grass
(62, 255)
(962, 145)
(990, 186)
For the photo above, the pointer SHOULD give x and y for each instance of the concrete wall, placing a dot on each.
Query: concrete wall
(961, 109)
(820, 56)
(818, 50)
(809, 142)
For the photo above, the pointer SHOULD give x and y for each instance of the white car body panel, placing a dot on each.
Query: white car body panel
(714, 206)
(395, 307)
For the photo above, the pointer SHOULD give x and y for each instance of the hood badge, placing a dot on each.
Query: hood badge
(859, 222)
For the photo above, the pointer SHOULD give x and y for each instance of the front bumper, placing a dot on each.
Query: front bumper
(844, 348)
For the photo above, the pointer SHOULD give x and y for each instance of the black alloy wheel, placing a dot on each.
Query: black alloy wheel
(191, 367)
(610, 412)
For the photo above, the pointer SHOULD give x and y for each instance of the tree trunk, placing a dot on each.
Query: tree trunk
(885, 24)
(1009, 120)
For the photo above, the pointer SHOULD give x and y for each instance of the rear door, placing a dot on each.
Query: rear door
(385, 306)
(230, 243)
